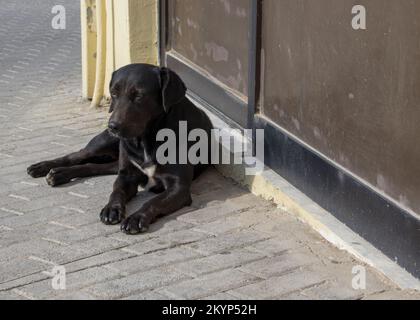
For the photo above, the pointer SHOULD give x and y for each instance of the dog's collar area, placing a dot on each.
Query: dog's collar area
(138, 154)
(148, 169)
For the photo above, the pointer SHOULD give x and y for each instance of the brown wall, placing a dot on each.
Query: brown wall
(352, 95)
(213, 34)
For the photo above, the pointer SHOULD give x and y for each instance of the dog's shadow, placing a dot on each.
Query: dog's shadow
(210, 189)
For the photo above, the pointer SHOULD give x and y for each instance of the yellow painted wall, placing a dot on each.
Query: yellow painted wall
(143, 31)
(132, 33)
(110, 44)
(122, 33)
(88, 20)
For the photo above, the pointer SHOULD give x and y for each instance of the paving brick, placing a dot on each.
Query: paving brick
(277, 286)
(170, 240)
(21, 234)
(294, 296)
(16, 187)
(342, 276)
(212, 213)
(136, 283)
(184, 237)
(34, 217)
(394, 295)
(13, 269)
(54, 252)
(249, 200)
(154, 259)
(40, 203)
(274, 246)
(217, 262)
(77, 280)
(95, 246)
(9, 295)
(274, 266)
(85, 232)
(216, 197)
(105, 258)
(209, 284)
(242, 220)
(148, 246)
(25, 249)
(74, 219)
(332, 291)
(287, 226)
(32, 277)
(220, 296)
(75, 295)
(148, 295)
(47, 250)
(227, 242)
(202, 187)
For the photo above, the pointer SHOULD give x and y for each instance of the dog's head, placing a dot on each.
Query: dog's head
(141, 93)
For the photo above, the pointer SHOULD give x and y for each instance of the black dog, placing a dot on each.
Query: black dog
(145, 99)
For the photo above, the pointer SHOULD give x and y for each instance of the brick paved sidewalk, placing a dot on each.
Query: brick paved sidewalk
(228, 245)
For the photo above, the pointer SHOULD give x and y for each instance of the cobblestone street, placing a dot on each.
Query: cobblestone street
(228, 245)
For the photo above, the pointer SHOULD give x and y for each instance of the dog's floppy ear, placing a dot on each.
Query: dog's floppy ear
(172, 87)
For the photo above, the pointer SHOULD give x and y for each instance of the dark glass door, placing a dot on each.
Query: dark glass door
(209, 44)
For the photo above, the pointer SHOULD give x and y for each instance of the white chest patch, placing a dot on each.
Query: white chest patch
(149, 172)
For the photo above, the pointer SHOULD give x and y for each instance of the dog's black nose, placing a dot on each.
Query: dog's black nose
(113, 126)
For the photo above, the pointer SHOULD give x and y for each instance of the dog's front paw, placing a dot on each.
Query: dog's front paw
(40, 169)
(58, 176)
(112, 214)
(135, 224)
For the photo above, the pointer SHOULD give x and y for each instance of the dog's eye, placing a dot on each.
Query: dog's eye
(138, 98)
(114, 93)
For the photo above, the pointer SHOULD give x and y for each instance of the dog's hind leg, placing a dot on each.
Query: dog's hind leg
(59, 176)
(104, 148)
